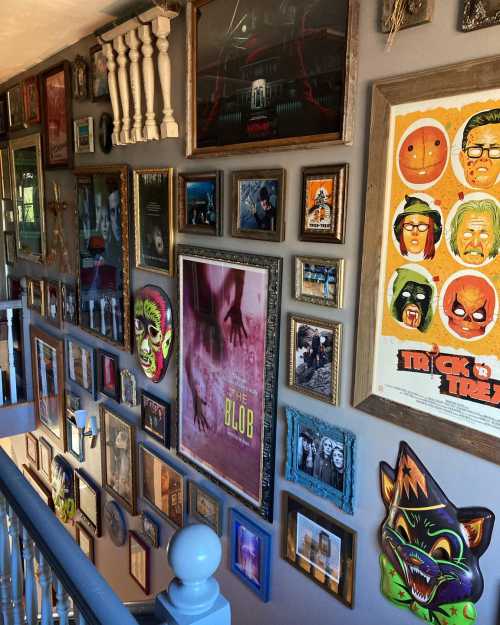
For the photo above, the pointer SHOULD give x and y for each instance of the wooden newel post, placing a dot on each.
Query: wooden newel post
(193, 596)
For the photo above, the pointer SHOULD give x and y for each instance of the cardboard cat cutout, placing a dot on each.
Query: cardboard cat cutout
(431, 549)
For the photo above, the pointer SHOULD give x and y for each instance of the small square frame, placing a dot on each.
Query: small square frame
(32, 453)
(334, 263)
(194, 491)
(115, 393)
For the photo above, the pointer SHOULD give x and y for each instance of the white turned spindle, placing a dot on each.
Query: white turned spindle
(113, 92)
(133, 43)
(161, 29)
(16, 570)
(5, 576)
(30, 587)
(121, 49)
(63, 604)
(150, 127)
(45, 577)
(12, 364)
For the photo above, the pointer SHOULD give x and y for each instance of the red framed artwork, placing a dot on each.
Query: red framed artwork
(31, 97)
(57, 127)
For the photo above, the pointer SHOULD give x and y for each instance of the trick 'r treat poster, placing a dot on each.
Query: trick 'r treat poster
(437, 321)
(223, 309)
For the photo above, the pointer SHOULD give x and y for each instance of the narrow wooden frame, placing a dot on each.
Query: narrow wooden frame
(66, 290)
(128, 377)
(195, 490)
(80, 90)
(57, 321)
(81, 530)
(133, 536)
(31, 83)
(56, 69)
(16, 91)
(183, 224)
(101, 98)
(10, 247)
(101, 354)
(153, 535)
(81, 476)
(337, 263)
(31, 287)
(45, 471)
(164, 438)
(32, 440)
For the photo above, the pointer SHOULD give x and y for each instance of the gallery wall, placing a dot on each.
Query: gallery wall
(465, 478)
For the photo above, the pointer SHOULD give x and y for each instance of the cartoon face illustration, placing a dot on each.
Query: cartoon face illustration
(153, 331)
(418, 228)
(480, 155)
(469, 304)
(411, 302)
(475, 231)
(423, 155)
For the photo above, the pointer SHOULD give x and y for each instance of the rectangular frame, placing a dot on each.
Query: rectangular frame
(10, 247)
(40, 488)
(81, 477)
(34, 286)
(473, 18)
(102, 94)
(217, 179)
(91, 367)
(15, 103)
(162, 437)
(72, 430)
(195, 490)
(46, 471)
(4, 118)
(53, 319)
(31, 101)
(70, 305)
(62, 105)
(337, 300)
(101, 386)
(133, 536)
(81, 530)
(78, 124)
(150, 529)
(32, 441)
(128, 383)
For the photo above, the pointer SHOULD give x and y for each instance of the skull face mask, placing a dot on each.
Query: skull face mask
(469, 304)
(154, 331)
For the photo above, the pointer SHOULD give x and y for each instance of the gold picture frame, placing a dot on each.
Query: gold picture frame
(36, 288)
(324, 274)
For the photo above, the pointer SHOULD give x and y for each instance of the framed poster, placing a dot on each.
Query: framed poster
(99, 89)
(56, 96)
(82, 365)
(227, 388)
(281, 76)
(31, 98)
(428, 332)
(154, 220)
(155, 418)
(199, 203)
(103, 267)
(16, 107)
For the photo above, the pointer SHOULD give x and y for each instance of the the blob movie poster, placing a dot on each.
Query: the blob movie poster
(437, 322)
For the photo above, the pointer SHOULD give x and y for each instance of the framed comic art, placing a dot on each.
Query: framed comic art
(108, 372)
(16, 107)
(156, 418)
(53, 303)
(319, 280)
(480, 13)
(227, 388)
(31, 98)
(282, 76)
(56, 98)
(199, 203)
(428, 332)
(82, 365)
(103, 258)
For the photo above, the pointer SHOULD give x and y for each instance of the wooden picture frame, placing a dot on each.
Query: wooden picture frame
(85, 541)
(53, 303)
(139, 569)
(46, 454)
(88, 501)
(150, 530)
(15, 104)
(36, 295)
(319, 280)
(69, 295)
(4, 122)
(10, 247)
(205, 507)
(31, 101)
(32, 453)
(421, 14)
(83, 131)
(108, 374)
(199, 203)
(81, 365)
(156, 418)
(99, 89)
(80, 78)
(75, 441)
(128, 388)
(57, 116)
(473, 17)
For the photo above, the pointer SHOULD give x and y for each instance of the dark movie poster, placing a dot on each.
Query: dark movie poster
(154, 226)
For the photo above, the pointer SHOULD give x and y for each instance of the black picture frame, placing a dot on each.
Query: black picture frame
(70, 305)
(162, 432)
(108, 388)
(197, 224)
(99, 88)
(80, 369)
(91, 518)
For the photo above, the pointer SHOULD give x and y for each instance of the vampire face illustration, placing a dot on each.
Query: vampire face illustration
(411, 302)
(469, 304)
(423, 155)
(154, 331)
(430, 548)
(480, 155)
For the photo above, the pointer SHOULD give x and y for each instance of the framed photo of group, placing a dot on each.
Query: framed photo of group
(428, 330)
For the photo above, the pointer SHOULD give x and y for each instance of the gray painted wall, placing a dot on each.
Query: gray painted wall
(467, 480)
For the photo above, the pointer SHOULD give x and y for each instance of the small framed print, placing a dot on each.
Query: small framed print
(74, 438)
(323, 209)
(250, 554)
(480, 14)
(31, 100)
(53, 303)
(16, 107)
(150, 530)
(319, 280)
(10, 247)
(200, 203)
(128, 388)
(205, 507)
(108, 375)
(314, 357)
(69, 295)
(72, 401)
(99, 89)
(4, 117)
(407, 15)
(258, 204)
(56, 95)
(85, 541)
(83, 130)
(139, 556)
(320, 547)
(36, 295)
(80, 72)
(81, 361)
(46, 454)
(32, 449)
(88, 501)
(155, 418)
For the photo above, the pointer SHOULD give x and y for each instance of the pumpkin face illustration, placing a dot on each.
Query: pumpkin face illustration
(423, 155)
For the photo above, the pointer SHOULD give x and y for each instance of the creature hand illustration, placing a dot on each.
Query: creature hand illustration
(200, 418)
(237, 327)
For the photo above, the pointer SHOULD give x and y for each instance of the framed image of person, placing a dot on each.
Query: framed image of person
(69, 293)
(314, 357)
(324, 203)
(205, 507)
(321, 457)
(139, 555)
(79, 73)
(319, 280)
(53, 303)
(199, 203)
(299, 68)
(99, 89)
(88, 501)
(128, 388)
(154, 220)
(108, 375)
(258, 204)
(57, 127)
(103, 259)
(31, 97)
(155, 418)
(227, 387)
(320, 547)
(82, 365)
(251, 554)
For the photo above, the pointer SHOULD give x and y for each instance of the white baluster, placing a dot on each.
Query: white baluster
(45, 577)
(133, 43)
(30, 588)
(161, 29)
(150, 128)
(63, 604)
(121, 48)
(12, 364)
(16, 570)
(5, 576)
(113, 92)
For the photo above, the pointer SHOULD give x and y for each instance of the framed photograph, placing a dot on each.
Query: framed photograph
(53, 303)
(47, 354)
(72, 401)
(16, 107)
(80, 76)
(235, 297)
(69, 294)
(83, 130)
(162, 486)
(4, 117)
(205, 507)
(150, 530)
(314, 357)
(428, 332)
(82, 364)
(56, 96)
(32, 449)
(128, 388)
(324, 202)
(480, 13)
(85, 541)
(320, 547)
(156, 418)
(36, 295)
(139, 561)
(108, 373)
(321, 457)
(154, 220)
(40, 488)
(88, 501)
(103, 259)
(258, 204)
(75, 444)
(99, 89)
(251, 554)
(46, 454)
(319, 280)
(118, 458)
(10, 247)
(199, 203)
(271, 84)
(31, 99)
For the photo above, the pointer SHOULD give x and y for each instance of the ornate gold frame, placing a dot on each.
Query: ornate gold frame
(338, 263)
(30, 285)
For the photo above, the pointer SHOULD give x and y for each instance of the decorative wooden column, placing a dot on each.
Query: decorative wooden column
(150, 127)
(45, 578)
(133, 43)
(113, 92)
(121, 49)
(5, 571)
(30, 589)
(16, 570)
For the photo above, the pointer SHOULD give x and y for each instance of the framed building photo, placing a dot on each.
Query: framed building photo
(321, 457)
(108, 374)
(324, 202)
(156, 418)
(69, 294)
(139, 556)
(428, 331)
(480, 14)
(56, 97)
(118, 458)
(82, 364)
(162, 486)
(85, 541)
(46, 454)
(103, 266)
(258, 204)
(281, 77)
(83, 130)
(154, 220)
(88, 501)
(314, 357)
(99, 89)
(53, 303)
(319, 280)
(320, 547)
(16, 107)
(128, 388)
(227, 388)
(10, 247)
(31, 99)
(32, 449)
(199, 203)
(75, 442)
(150, 530)
(251, 554)
(205, 507)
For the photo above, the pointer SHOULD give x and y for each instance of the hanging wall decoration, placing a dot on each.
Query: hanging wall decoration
(31, 97)
(480, 13)
(430, 548)
(399, 14)
(56, 96)
(80, 72)
(63, 491)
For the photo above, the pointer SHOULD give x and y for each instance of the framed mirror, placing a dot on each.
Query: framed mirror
(28, 195)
